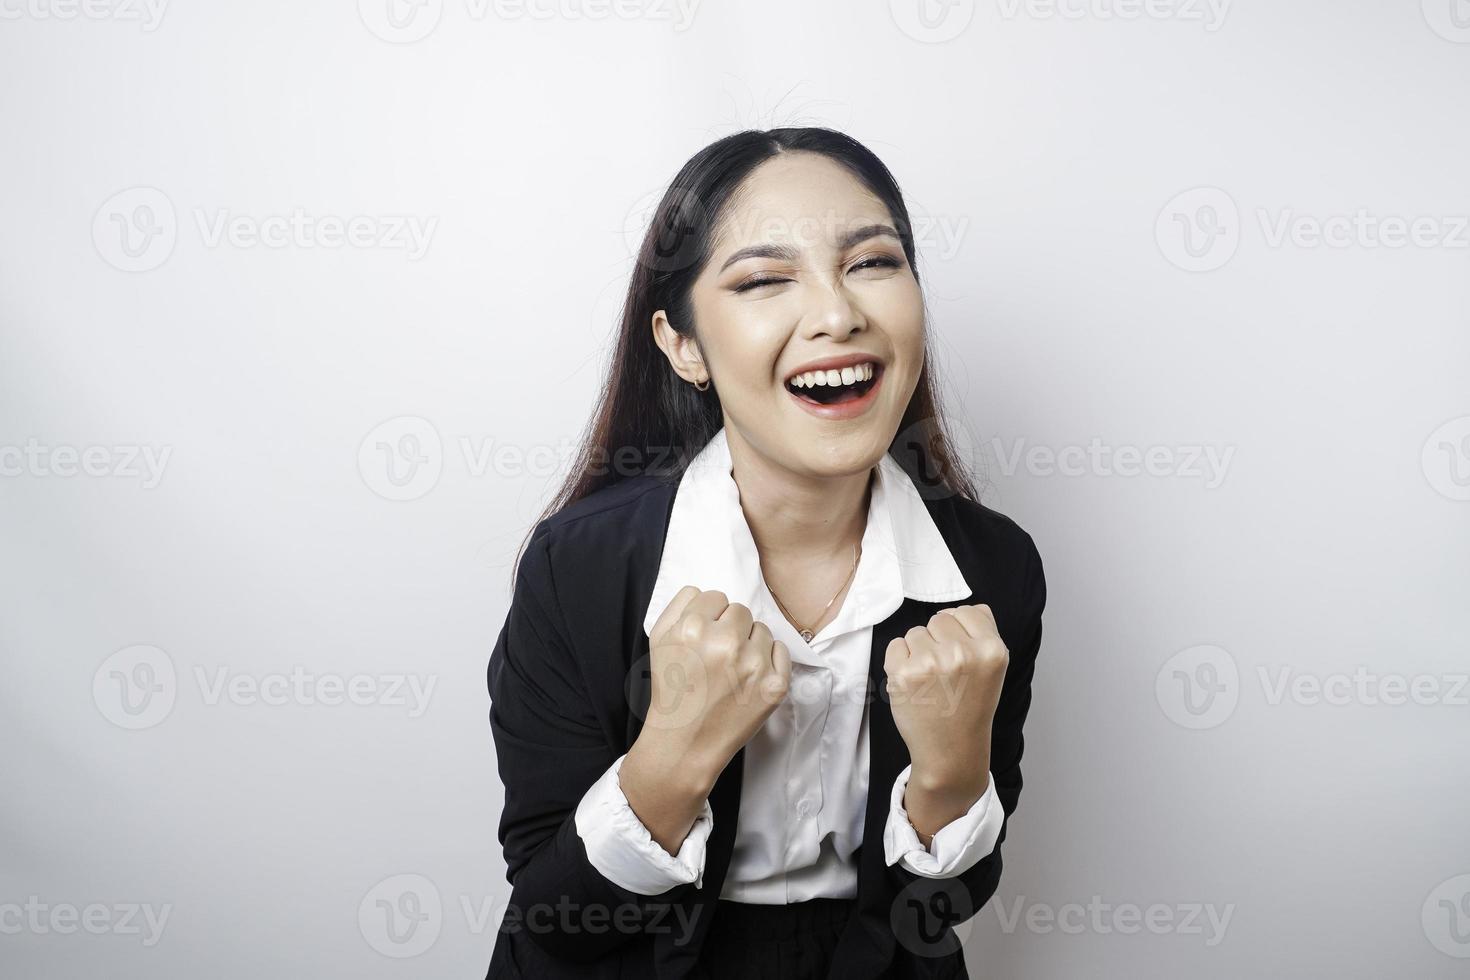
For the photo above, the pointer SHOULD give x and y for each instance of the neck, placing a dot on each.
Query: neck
(797, 519)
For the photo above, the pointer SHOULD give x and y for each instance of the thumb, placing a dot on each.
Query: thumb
(672, 612)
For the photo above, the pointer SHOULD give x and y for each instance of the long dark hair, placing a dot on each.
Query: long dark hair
(648, 419)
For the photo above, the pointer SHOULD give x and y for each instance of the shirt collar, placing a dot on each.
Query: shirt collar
(709, 546)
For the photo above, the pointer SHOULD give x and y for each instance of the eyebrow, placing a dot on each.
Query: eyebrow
(787, 253)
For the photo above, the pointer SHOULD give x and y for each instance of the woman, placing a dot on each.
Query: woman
(758, 700)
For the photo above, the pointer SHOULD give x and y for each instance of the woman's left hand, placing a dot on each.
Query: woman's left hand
(944, 683)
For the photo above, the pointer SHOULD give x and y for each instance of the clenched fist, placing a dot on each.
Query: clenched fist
(944, 683)
(716, 675)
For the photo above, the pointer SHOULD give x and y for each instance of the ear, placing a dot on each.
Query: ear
(683, 352)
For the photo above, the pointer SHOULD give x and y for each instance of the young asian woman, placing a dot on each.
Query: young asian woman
(758, 700)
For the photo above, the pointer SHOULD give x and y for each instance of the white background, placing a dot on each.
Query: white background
(1076, 296)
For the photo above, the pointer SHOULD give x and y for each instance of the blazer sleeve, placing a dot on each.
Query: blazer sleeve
(551, 749)
(1007, 742)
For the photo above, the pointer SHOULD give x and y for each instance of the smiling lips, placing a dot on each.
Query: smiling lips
(838, 388)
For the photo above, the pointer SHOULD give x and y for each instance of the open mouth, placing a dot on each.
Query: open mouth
(835, 387)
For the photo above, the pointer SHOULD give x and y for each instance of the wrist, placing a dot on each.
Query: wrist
(685, 773)
(952, 777)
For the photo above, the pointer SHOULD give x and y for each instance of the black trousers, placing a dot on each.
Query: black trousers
(773, 942)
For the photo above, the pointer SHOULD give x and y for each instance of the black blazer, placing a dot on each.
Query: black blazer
(569, 687)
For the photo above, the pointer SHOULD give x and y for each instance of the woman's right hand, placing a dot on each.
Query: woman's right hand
(716, 676)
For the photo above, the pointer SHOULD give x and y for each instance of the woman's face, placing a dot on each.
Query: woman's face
(806, 267)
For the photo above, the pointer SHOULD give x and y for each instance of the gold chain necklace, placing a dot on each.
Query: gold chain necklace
(807, 634)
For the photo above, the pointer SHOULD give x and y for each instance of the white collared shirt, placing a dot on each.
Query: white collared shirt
(805, 780)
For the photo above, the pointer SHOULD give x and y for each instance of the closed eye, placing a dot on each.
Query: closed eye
(877, 261)
(750, 284)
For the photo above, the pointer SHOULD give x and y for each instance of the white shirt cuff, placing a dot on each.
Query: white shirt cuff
(956, 847)
(622, 849)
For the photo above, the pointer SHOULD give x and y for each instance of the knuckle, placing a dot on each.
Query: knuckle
(689, 629)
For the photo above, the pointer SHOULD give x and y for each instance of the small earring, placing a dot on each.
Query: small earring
(702, 386)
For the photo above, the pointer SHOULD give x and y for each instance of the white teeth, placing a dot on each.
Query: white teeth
(846, 376)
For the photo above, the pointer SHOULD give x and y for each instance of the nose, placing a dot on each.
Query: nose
(832, 313)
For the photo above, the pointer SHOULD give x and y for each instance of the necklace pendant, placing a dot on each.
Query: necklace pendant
(807, 635)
